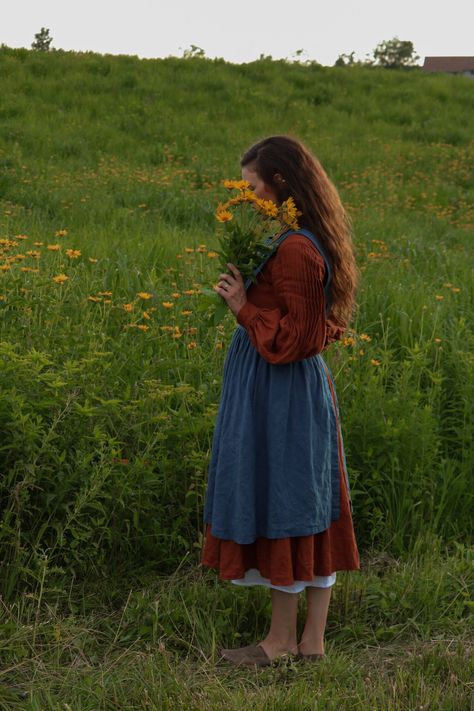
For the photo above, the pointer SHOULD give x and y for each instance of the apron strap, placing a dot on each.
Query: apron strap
(319, 247)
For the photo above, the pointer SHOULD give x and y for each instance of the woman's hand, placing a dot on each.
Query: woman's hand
(231, 288)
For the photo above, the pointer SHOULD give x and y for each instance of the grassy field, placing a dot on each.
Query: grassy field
(110, 172)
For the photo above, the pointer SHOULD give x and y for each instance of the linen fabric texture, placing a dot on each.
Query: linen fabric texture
(277, 459)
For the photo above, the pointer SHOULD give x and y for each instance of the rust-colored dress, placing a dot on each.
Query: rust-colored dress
(289, 300)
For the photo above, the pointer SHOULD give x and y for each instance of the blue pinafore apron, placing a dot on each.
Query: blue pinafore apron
(274, 466)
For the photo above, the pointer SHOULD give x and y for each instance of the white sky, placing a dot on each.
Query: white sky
(241, 30)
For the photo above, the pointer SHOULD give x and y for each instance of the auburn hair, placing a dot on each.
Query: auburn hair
(287, 167)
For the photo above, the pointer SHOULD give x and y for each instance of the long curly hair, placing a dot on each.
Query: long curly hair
(287, 167)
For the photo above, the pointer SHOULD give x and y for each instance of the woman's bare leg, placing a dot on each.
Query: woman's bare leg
(312, 638)
(282, 636)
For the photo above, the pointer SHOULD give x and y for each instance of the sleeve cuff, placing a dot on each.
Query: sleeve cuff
(246, 314)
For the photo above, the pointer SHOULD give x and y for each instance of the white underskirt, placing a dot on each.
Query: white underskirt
(253, 577)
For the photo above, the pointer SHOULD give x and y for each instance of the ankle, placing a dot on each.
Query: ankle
(282, 643)
(311, 645)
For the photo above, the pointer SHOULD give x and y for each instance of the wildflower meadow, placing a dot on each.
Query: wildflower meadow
(111, 170)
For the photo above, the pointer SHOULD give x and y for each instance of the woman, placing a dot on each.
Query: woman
(277, 509)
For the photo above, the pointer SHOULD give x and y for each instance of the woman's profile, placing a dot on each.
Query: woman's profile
(277, 509)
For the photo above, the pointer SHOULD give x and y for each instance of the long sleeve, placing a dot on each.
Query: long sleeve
(296, 328)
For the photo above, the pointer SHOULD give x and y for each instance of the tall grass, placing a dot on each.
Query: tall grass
(109, 399)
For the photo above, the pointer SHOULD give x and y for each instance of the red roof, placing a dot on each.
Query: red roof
(449, 64)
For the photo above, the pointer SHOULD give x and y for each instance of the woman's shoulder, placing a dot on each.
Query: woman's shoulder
(297, 247)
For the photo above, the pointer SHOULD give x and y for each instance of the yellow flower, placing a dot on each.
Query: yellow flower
(186, 313)
(189, 249)
(365, 337)
(93, 298)
(144, 295)
(348, 341)
(192, 344)
(167, 304)
(201, 248)
(92, 260)
(73, 253)
(143, 327)
(235, 184)
(60, 233)
(38, 244)
(60, 278)
(5, 267)
(223, 216)
(145, 314)
(437, 340)
(167, 328)
(127, 307)
(189, 292)
(219, 346)
(176, 295)
(104, 293)
(439, 297)
(107, 301)
(212, 255)
(455, 290)
(21, 237)
(34, 253)
(53, 247)
(374, 361)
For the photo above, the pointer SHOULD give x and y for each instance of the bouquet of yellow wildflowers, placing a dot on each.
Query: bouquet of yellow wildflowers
(248, 227)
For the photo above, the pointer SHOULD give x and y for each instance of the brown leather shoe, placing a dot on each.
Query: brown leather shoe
(253, 655)
(310, 657)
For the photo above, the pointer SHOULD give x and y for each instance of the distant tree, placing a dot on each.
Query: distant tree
(345, 60)
(395, 53)
(193, 51)
(42, 41)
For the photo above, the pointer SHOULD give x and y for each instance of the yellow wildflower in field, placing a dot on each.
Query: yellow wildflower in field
(144, 295)
(437, 340)
(34, 253)
(38, 244)
(143, 327)
(167, 304)
(455, 290)
(189, 292)
(127, 307)
(21, 237)
(212, 254)
(60, 278)
(145, 314)
(374, 361)
(186, 312)
(447, 284)
(176, 295)
(92, 260)
(104, 293)
(365, 337)
(107, 301)
(223, 215)
(192, 344)
(439, 297)
(177, 333)
(5, 267)
(60, 233)
(167, 328)
(201, 248)
(219, 346)
(73, 253)
(348, 341)
(94, 298)
(189, 249)
(53, 247)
